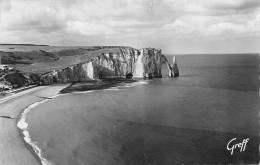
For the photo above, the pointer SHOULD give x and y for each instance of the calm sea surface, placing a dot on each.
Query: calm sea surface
(188, 120)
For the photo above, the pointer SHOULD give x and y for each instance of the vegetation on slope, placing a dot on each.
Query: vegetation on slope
(27, 57)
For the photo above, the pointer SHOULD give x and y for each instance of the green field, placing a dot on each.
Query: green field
(40, 59)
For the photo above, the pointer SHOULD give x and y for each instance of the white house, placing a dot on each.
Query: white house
(5, 67)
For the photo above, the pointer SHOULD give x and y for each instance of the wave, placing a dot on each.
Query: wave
(112, 89)
(123, 85)
(23, 126)
(84, 91)
(143, 82)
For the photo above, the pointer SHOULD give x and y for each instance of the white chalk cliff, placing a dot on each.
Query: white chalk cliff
(142, 63)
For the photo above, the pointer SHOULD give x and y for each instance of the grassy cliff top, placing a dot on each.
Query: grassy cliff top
(42, 58)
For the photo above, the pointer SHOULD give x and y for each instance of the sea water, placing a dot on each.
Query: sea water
(189, 119)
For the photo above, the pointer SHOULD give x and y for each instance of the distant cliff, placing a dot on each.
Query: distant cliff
(98, 63)
(144, 63)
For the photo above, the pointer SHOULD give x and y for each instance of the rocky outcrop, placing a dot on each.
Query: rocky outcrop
(173, 69)
(149, 63)
(17, 79)
(126, 62)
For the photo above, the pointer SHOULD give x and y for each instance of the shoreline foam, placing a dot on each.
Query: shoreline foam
(13, 148)
(23, 127)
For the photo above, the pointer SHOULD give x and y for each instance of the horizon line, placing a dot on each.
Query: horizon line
(5, 44)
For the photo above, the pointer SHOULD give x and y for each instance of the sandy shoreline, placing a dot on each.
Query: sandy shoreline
(13, 149)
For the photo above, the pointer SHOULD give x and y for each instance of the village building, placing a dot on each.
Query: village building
(5, 67)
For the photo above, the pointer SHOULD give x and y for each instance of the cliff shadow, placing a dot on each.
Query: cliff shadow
(104, 72)
(101, 84)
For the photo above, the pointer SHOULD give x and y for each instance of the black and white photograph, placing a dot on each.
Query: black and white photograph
(129, 82)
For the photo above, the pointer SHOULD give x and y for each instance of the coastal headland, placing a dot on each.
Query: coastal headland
(21, 66)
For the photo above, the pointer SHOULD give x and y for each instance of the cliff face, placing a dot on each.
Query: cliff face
(116, 64)
(80, 72)
(150, 63)
(142, 63)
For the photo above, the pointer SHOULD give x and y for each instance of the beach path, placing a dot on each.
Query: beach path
(12, 148)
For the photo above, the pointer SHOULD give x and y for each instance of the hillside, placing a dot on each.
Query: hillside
(40, 59)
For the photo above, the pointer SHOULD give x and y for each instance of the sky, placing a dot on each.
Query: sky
(175, 26)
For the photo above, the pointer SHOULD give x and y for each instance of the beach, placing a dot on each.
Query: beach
(13, 149)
